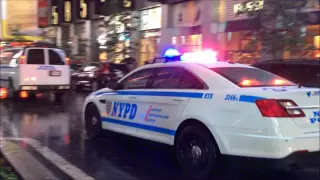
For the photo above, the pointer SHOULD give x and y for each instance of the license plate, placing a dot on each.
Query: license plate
(54, 73)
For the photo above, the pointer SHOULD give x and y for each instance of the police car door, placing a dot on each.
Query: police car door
(162, 104)
(123, 108)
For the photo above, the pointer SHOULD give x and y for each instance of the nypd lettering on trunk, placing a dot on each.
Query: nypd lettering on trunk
(313, 93)
(123, 110)
(315, 118)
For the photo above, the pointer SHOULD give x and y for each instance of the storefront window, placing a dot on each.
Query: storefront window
(189, 43)
(241, 49)
(148, 49)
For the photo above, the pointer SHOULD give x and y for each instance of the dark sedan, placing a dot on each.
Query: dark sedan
(303, 72)
(97, 75)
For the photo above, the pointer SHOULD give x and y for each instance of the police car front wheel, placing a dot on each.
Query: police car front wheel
(92, 121)
(196, 153)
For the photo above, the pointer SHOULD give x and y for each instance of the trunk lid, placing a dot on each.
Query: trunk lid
(307, 99)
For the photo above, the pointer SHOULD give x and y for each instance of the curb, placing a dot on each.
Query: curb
(24, 163)
(13, 167)
(48, 158)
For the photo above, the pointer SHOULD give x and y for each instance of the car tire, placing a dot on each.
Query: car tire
(74, 86)
(196, 153)
(93, 122)
(12, 93)
(58, 96)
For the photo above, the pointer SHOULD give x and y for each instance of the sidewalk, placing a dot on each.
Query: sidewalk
(6, 170)
(26, 164)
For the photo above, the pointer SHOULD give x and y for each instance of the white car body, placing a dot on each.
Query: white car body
(236, 123)
(34, 77)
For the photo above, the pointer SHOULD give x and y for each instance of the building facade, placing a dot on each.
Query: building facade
(187, 25)
(191, 25)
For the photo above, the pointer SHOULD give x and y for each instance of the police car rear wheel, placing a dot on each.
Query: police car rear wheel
(196, 153)
(92, 121)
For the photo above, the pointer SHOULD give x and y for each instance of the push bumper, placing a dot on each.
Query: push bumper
(300, 159)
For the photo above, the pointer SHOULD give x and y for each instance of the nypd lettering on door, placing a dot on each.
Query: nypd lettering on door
(122, 110)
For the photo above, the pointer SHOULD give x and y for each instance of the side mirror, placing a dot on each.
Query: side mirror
(114, 85)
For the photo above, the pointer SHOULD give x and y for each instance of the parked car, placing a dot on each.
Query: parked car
(97, 75)
(303, 72)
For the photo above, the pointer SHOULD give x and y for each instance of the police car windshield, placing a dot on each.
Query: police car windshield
(251, 77)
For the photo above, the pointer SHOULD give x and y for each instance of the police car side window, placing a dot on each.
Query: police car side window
(7, 56)
(189, 81)
(138, 80)
(167, 78)
(35, 56)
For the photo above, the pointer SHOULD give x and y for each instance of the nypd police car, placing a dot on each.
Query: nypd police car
(211, 113)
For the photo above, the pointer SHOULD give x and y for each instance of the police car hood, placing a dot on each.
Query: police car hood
(104, 90)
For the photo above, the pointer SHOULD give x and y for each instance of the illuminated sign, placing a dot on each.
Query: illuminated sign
(56, 12)
(67, 11)
(151, 19)
(248, 6)
(82, 9)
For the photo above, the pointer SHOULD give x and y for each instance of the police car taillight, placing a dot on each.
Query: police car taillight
(279, 108)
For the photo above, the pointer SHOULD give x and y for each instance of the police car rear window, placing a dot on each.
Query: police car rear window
(251, 77)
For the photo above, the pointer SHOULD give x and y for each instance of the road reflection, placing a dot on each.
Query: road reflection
(58, 125)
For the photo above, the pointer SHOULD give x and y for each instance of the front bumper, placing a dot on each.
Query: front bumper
(299, 159)
(44, 88)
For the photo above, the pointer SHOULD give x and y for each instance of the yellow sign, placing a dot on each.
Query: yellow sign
(20, 16)
(84, 10)
(67, 12)
(55, 15)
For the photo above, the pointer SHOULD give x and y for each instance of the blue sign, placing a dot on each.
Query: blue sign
(316, 117)
(46, 68)
(124, 110)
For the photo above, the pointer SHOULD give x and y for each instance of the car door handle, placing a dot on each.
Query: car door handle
(132, 97)
(103, 101)
(177, 99)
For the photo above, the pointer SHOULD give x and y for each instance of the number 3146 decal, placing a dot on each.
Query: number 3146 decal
(231, 97)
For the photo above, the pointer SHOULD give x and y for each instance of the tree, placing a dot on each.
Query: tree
(280, 21)
(119, 30)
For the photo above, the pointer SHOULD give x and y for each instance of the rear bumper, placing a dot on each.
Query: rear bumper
(45, 88)
(295, 160)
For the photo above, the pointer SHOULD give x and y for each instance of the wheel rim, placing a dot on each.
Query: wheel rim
(193, 153)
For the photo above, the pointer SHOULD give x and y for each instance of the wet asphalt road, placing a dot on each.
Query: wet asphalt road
(58, 126)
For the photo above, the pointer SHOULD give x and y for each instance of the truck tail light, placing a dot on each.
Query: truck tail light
(22, 59)
(279, 108)
(67, 61)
